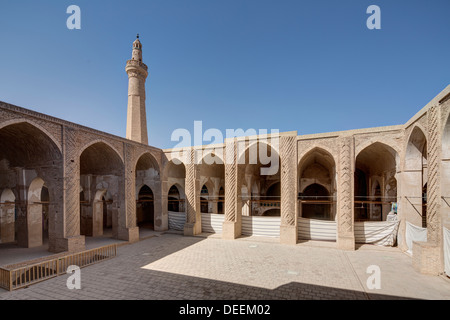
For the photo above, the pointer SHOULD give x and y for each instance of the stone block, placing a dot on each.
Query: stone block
(426, 258)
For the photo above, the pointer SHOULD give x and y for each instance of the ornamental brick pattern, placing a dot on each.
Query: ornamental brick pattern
(71, 183)
(288, 180)
(231, 177)
(434, 181)
(191, 199)
(130, 190)
(345, 187)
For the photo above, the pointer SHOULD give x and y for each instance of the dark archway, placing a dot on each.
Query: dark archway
(145, 209)
(317, 185)
(204, 200)
(264, 173)
(101, 163)
(272, 198)
(317, 206)
(174, 199)
(24, 146)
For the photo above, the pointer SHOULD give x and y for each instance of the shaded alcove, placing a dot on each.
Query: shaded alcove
(260, 177)
(30, 158)
(204, 199)
(175, 174)
(102, 175)
(145, 209)
(375, 182)
(317, 185)
(317, 206)
(175, 202)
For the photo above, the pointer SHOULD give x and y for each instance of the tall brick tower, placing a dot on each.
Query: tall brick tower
(136, 116)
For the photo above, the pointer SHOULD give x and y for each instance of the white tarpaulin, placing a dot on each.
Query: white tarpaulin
(212, 223)
(447, 251)
(261, 226)
(177, 220)
(414, 233)
(381, 233)
(310, 229)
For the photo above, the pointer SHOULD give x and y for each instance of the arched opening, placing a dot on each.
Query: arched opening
(315, 208)
(102, 167)
(145, 210)
(37, 213)
(175, 202)
(7, 216)
(317, 185)
(212, 195)
(204, 200)
(260, 189)
(272, 213)
(212, 175)
(375, 184)
(271, 199)
(175, 175)
(27, 152)
(416, 178)
(259, 193)
(148, 201)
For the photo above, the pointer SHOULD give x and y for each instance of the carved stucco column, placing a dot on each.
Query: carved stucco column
(233, 221)
(428, 256)
(127, 217)
(345, 194)
(70, 226)
(288, 174)
(193, 224)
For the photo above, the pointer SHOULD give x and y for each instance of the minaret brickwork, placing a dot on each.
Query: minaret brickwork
(136, 116)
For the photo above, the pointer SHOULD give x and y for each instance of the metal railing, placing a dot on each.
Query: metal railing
(20, 277)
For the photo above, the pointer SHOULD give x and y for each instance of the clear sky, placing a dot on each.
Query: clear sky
(310, 66)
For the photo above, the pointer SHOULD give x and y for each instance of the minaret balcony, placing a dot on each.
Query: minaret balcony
(135, 63)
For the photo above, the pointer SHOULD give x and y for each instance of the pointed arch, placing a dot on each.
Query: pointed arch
(33, 124)
(416, 149)
(24, 143)
(172, 170)
(376, 162)
(145, 208)
(317, 184)
(100, 158)
(147, 160)
(175, 197)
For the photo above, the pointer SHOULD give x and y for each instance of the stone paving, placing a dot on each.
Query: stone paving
(173, 267)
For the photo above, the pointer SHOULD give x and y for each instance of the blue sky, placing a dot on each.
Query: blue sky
(309, 66)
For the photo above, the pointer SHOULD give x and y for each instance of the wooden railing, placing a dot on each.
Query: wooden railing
(16, 278)
(5, 278)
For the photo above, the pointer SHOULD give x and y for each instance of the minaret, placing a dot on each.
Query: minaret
(136, 116)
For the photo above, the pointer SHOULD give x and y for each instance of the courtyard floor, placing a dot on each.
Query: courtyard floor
(168, 266)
